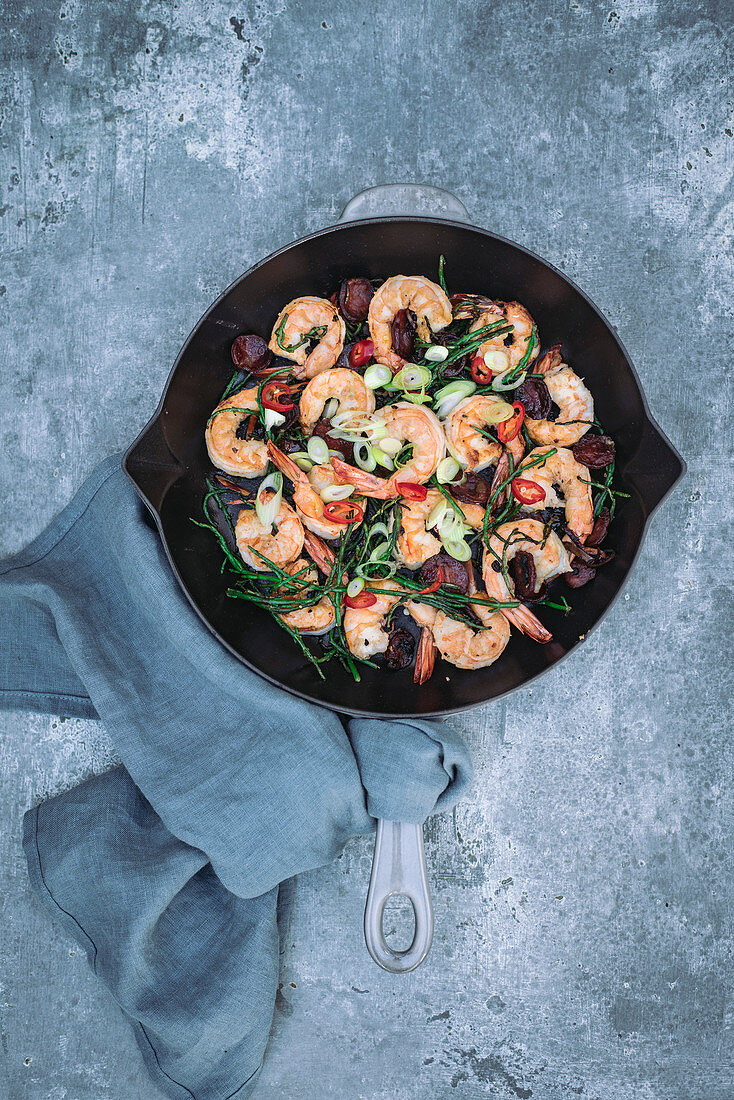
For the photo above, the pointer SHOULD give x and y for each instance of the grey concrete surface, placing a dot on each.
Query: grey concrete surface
(149, 151)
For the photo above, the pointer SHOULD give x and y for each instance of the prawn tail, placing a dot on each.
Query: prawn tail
(527, 623)
(286, 465)
(516, 448)
(550, 362)
(425, 657)
(318, 550)
(500, 474)
(367, 484)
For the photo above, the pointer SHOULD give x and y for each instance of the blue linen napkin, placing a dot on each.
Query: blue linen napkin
(175, 871)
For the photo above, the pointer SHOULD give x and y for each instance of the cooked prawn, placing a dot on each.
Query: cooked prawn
(303, 320)
(341, 383)
(363, 625)
(550, 558)
(463, 428)
(241, 457)
(561, 469)
(513, 345)
(315, 618)
(306, 498)
(414, 292)
(463, 646)
(415, 544)
(409, 423)
(280, 543)
(571, 396)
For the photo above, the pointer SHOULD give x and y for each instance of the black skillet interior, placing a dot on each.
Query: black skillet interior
(168, 463)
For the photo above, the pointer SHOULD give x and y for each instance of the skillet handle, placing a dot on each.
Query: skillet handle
(411, 199)
(398, 867)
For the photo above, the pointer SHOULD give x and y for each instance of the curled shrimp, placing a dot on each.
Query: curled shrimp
(550, 558)
(363, 626)
(229, 453)
(421, 428)
(314, 618)
(307, 487)
(415, 544)
(513, 345)
(464, 426)
(562, 470)
(303, 320)
(341, 383)
(571, 396)
(280, 542)
(463, 646)
(413, 424)
(414, 292)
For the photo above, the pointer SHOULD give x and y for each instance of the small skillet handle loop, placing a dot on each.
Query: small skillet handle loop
(411, 199)
(398, 867)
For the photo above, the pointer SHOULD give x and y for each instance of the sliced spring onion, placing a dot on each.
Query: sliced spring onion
(391, 446)
(413, 377)
(445, 408)
(318, 450)
(268, 509)
(447, 470)
(373, 569)
(377, 375)
(355, 587)
(351, 420)
(436, 353)
(497, 361)
(272, 419)
(459, 549)
(379, 528)
(336, 492)
(421, 398)
(364, 457)
(436, 513)
(353, 425)
(302, 460)
(380, 552)
(448, 397)
(505, 381)
(382, 459)
(331, 407)
(497, 412)
(463, 387)
(450, 525)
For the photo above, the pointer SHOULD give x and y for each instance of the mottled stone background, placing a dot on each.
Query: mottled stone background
(149, 152)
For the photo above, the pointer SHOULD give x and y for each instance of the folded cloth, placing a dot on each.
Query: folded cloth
(174, 872)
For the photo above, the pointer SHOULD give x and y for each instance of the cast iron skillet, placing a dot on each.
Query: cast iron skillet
(168, 464)
(168, 461)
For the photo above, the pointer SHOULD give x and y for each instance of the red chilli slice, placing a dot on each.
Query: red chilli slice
(527, 492)
(411, 490)
(436, 584)
(508, 430)
(277, 396)
(362, 599)
(480, 372)
(361, 353)
(343, 511)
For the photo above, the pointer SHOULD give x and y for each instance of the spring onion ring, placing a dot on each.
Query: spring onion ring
(268, 510)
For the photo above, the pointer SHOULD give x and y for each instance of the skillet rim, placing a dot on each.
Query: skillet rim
(335, 229)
